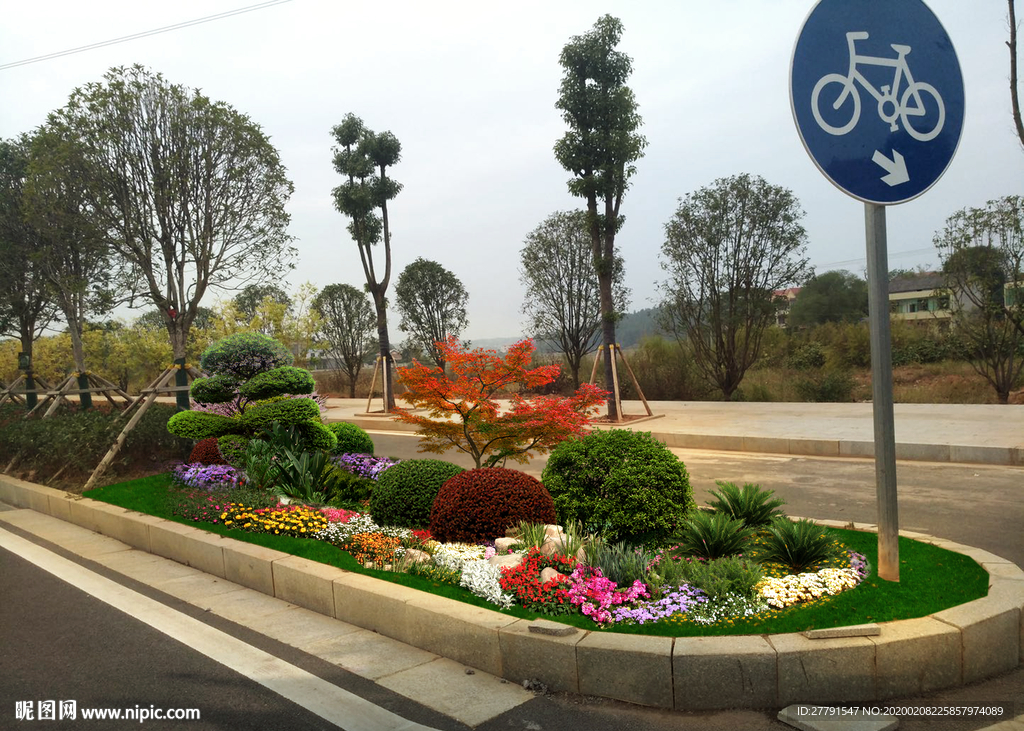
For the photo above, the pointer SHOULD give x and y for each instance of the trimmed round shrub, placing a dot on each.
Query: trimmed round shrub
(286, 379)
(317, 436)
(405, 493)
(483, 503)
(201, 425)
(287, 411)
(243, 355)
(206, 452)
(218, 389)
(351, 438)
(232, 447)
(624, 485)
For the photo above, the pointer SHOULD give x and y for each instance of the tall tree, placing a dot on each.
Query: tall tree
(432, 303)
(73, 254)
(563, 298)
(599, 150)
(982, 252)
(363, 158)
(248, 301)
(1018, 123)
(190, 193)
(835, 296)
(26, 308)
(347, 322)
(728, 247)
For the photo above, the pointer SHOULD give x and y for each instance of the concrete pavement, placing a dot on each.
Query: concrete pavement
(985, 434)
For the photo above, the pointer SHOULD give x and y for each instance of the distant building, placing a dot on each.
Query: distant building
(919, 297)
(784, 299)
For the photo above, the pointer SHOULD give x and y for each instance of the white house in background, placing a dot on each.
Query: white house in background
(919, 297)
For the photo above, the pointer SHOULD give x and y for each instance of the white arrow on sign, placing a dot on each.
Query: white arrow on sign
(896, 169)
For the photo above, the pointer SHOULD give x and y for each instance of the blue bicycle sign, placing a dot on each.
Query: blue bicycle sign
(878, 130)
(913, 103)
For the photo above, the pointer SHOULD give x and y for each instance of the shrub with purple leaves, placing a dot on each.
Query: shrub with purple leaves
(364, 465)
(207, 476)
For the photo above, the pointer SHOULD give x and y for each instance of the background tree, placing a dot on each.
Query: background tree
(563, 298)
(982, 252)
(599, 150)
(248, 301)
(363, 158)
(72, 255)
(190, 193)
(347, 322)
(836, 296)
(728, 247)
(432, 303)
(154, 320)
(25, 305)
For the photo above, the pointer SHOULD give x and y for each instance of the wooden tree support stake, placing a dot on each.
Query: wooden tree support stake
(618, 353)
(147, 398)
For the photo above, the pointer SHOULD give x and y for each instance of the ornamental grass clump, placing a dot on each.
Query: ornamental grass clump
(751, 504)
(799, 545)
(722, 576)
(713, 535)
(621, 563)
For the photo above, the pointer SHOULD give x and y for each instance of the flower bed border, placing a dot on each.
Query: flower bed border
(953, 647)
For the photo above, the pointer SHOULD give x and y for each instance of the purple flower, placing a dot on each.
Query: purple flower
(206, 476)
(364, 465)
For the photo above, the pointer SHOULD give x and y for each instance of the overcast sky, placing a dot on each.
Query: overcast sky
(469, 89)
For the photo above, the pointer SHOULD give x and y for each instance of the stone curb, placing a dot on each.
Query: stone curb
(950, 648)
(1008, 456)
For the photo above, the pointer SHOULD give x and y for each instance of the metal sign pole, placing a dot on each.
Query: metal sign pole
(881, 387)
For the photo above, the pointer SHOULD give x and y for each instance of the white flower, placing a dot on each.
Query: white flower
(481, 578)
(453, 555)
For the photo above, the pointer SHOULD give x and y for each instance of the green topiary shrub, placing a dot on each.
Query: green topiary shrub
(405, 493)
(255, 387)
(244, 355)
(317, 436)
(622, 484)
(483, 503)
(288, 411)
(233, 447)
(351, 439)
(201, 425)
(206, 452)
(217, 389)
(286, 379)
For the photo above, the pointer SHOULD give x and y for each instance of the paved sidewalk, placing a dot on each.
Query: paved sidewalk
(988, 434)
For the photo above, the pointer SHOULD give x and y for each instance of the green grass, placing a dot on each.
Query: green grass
(931, 578)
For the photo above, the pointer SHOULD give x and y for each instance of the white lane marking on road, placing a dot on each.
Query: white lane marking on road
(346, 710)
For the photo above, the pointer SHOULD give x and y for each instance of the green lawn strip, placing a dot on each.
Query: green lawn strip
(931, 578)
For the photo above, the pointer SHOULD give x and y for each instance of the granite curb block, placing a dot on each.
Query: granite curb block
(953, 647)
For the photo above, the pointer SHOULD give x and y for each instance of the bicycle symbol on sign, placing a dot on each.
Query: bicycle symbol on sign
(916, 100)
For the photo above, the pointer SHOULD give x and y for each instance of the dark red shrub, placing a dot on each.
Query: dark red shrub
(206, 452)
(482, 504)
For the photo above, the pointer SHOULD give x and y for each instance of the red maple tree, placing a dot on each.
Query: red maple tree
(464, 414)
